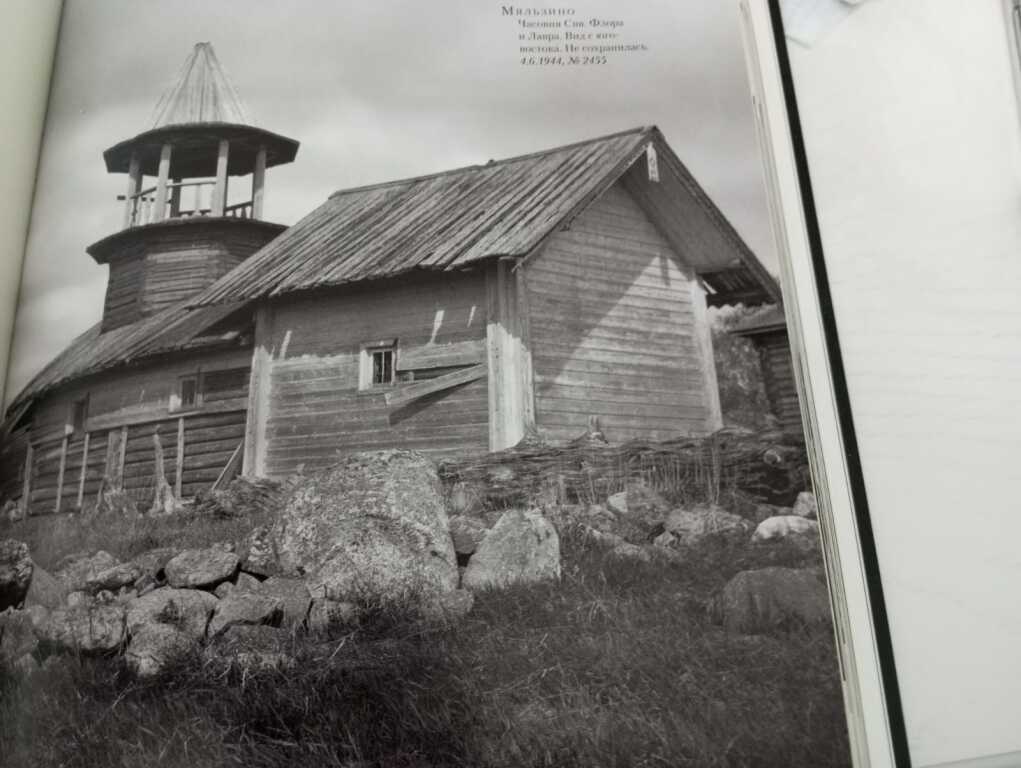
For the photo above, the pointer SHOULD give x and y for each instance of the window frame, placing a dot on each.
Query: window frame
(77, 415)
(177, 399)
(366, 368)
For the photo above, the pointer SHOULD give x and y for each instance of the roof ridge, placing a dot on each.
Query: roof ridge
(503, 161)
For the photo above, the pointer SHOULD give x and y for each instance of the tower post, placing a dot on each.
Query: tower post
(160, 211)
(219, 202)
(134, 184)
(259, 183)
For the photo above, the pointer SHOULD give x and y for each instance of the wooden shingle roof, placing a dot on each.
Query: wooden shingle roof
(199, 110)
(450, 220)
(175, 328)
(202, 93)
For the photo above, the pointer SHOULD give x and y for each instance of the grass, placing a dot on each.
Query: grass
(52, 537)
(614, 666)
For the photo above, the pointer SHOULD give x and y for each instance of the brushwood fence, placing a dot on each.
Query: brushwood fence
(726, 466)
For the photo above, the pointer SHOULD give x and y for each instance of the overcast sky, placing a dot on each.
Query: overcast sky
(374, 91)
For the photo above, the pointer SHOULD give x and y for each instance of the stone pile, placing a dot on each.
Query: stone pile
(156, 606)
(372, 532)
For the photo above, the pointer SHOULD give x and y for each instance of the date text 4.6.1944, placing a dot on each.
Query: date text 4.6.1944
(562, 60)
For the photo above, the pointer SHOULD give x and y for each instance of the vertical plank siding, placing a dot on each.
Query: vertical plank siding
(315, 410)
(45, 469)
(613, 330)
(134, 404)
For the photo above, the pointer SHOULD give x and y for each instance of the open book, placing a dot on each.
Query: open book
(458, 332)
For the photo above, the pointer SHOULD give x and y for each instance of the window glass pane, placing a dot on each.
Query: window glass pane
(80, 413)
(188, 391)
(382, 366)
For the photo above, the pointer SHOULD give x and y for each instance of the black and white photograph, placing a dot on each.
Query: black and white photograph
(407, 384)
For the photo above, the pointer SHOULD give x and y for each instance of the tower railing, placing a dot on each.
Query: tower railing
(144, 209)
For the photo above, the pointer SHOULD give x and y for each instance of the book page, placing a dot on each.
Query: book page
(911, 128)
(26, 61)
(495, 282)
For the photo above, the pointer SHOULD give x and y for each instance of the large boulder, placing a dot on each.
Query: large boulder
(243, 582)
(188, 610)
(153, 562)
(92, 628)
(153, 646)
(257, 554)
(245, 608)
(794, 527)
(522, 548)
(293, 595)
(74, 571)
(691, 526)
(15, 573)
(371, 529)
(757, 601)
(45, 590)
(120, 575)
(198, 568)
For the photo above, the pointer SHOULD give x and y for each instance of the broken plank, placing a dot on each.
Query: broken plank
(405, 394)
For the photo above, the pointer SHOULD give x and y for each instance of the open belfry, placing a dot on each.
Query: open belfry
(194, 202)
(451, 314)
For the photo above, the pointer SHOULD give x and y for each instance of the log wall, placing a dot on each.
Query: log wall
(13, 450)
(778, 377)
(165, 266)
(125, 410)
(616, 332)
(312, 407)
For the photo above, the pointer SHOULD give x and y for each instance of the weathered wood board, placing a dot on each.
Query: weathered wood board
(615, 332)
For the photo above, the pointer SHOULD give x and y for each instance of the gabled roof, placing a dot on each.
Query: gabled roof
(202, 93)
(450, 220)
(175, 328)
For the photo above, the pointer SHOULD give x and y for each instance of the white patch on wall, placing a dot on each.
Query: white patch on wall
(437, 324)
(471, 315)
(285, 345)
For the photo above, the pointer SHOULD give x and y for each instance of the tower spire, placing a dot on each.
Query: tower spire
(202, 93)
(196, 186)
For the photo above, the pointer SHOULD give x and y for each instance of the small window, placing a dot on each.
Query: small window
(79, 412)
(382, 366)
(189, 393)
(378, 366)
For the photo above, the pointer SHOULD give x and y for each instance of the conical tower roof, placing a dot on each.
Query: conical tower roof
(201, 109)
(202, 93)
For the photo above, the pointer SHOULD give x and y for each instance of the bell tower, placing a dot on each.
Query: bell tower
(193, 207)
